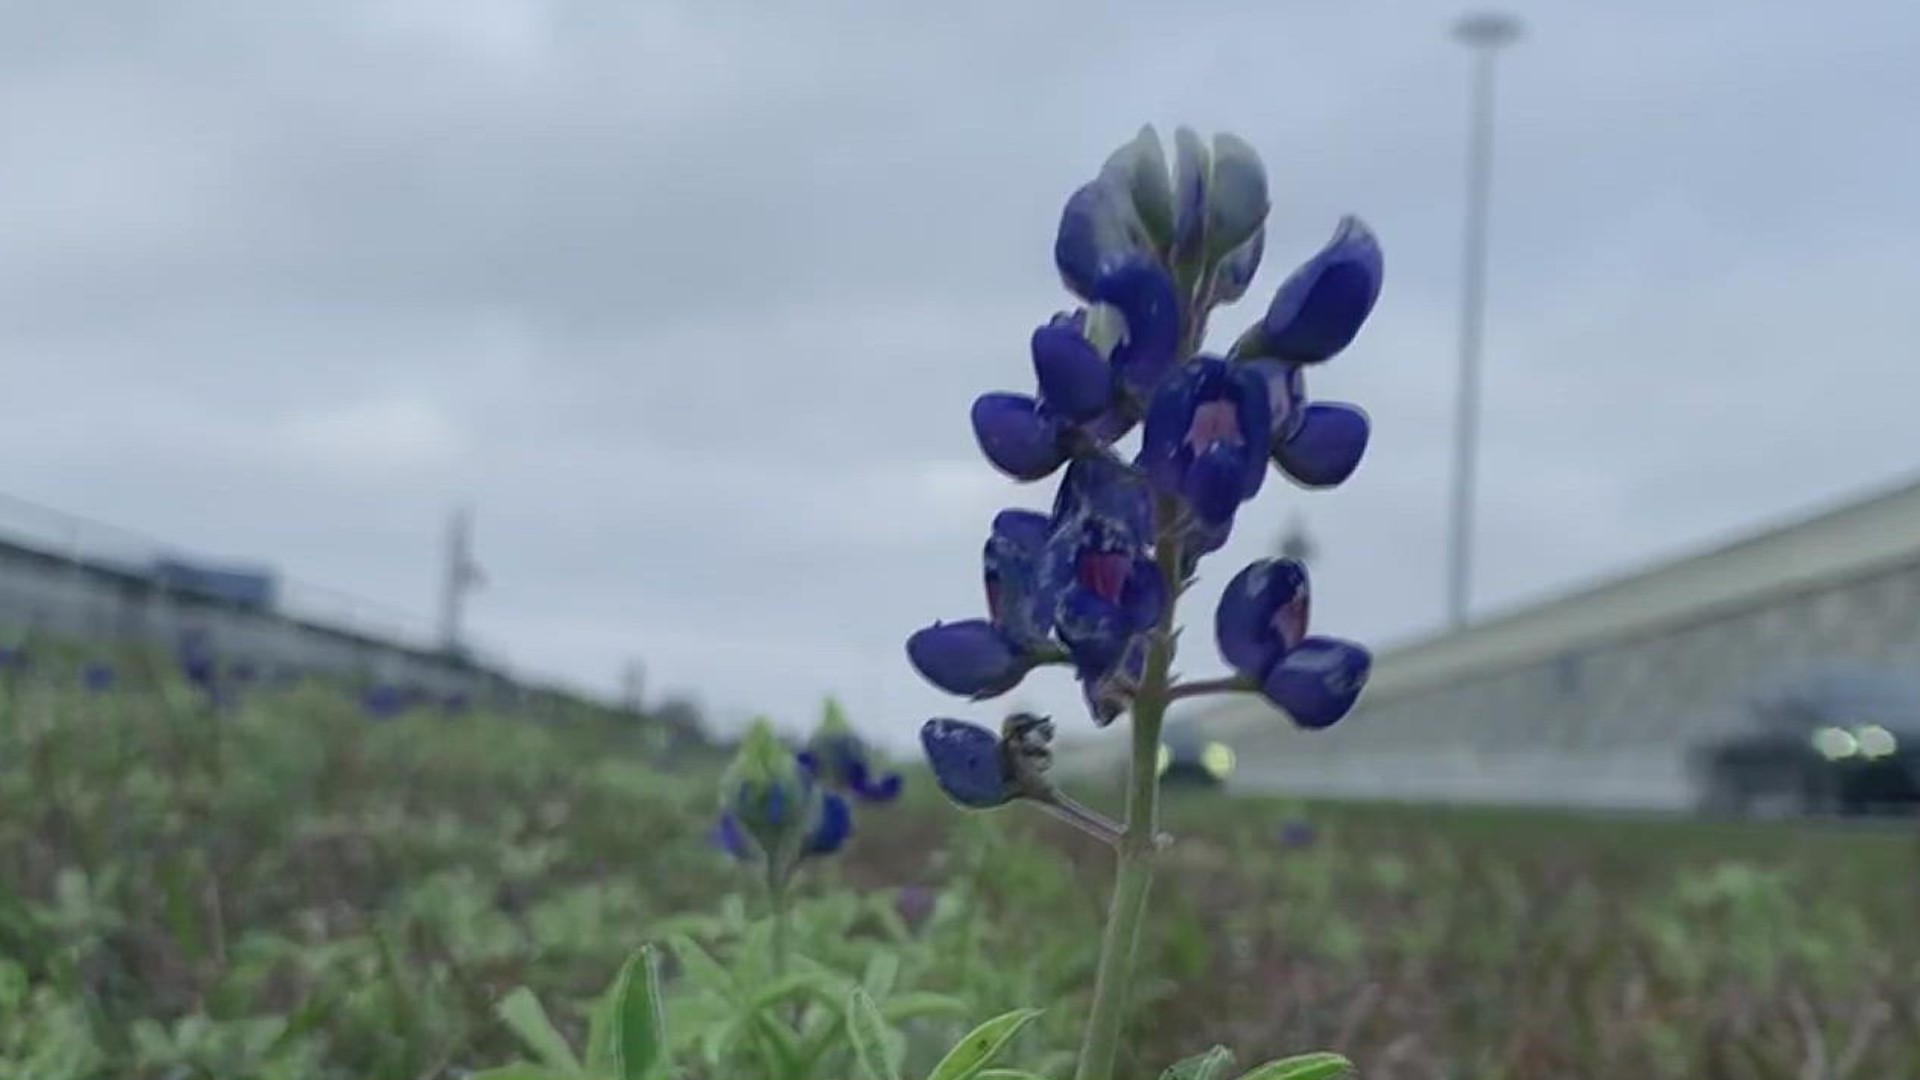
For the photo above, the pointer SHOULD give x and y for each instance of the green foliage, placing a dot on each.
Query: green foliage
(290, 892)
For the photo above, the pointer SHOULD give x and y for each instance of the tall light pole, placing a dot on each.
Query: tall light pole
(462, 576)
(1484, 34)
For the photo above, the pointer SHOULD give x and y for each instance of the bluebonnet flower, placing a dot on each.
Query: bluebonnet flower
(981, 658)
(197, 661)
(13, 658)
(97, 677)
(842, 762)
(1296, 835)
(1261, 628)
(1207, 436)
(1317, 444)
(1150, 252)
(772, 811)
(1319, 310)
(383, 702)
(914, 903)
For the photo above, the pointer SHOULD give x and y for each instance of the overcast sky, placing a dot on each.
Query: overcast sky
(690, 298)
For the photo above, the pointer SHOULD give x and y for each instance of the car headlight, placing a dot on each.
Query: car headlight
(1874, 741)
(1835, 743)
(1165, 759)
(1217, 759)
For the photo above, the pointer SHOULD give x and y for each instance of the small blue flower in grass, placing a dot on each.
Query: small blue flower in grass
(1207, 436)
(842, 761)
(1261, 628)
(195, 656)
(773, 811)
(383, 702)
(13, 658)
(1296, 835)
(97, 677)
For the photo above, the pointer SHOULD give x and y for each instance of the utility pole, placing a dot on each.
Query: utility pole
(633, 684)
(1484, 34)
(462, 576)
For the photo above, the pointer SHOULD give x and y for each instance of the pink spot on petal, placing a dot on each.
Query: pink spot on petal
(1290, 620)
(1104, 573)
(1214, 422)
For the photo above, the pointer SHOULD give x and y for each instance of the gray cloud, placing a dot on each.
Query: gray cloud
(691, 299)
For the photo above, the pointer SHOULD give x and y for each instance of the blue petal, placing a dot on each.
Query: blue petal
(1243, 624)
(966, 762)
(1074, 378)
(1318, 683)
(1099, 232)
(1255, 416)
(1286, 395)
(1105, 491)
(1236, 271)
(1146, 298)
(1016, 436)
(1169, 417)
(835, 824)
(1190, 181)
(870, 788)
(1236, 194)
(1212, 483)
(1012, 568)
(728, 837)
(1318, 311)
(1327, 448)
(809, 763)
(970, 658)
(1145, 598)
(1096, 632)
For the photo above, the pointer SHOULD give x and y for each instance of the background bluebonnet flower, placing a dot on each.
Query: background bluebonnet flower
(914, 904)
(1261, 628)
(842, 762)
(383, 702)
(196, 659)
(97, 677)
(771, 809)
(1296, 835)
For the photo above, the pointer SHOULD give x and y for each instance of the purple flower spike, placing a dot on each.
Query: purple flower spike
(1318, 311)
(970, 658)
(1207, 436)
(1327, 447)
(1017, 435)
(1262, 616)
(966, 763)
(1074, 378)
(728, 837)
(1318, 683)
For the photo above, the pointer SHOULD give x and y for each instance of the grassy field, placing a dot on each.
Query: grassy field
(290, 890)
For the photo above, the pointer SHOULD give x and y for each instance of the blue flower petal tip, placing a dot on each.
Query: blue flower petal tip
(966, 762)
(1318, 311)
(1327, 447)
(1318, 683)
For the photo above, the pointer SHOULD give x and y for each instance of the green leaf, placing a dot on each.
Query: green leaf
(523, 1071)
(882, 972)
(521, 1011)
(639, 1034)
(701, 968)
(869, 1035)
(970, 1055)
(1320, 1066)
(918, 1003)
(778, 1043)
(1211, 1065)
(1007, 1074)
(819, 986)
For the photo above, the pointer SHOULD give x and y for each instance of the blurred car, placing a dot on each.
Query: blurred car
(1838, 744)
(1190, 761)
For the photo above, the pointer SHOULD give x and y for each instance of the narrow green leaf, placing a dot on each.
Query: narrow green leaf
(1320, 1066)
(522, 1072)
(869, 1035)
(971, 1054)
(778, 1044)
(639, 1031)
(918, 1003)
(1008, 1074)
(883, 970)
(701, 968)
(1211, 1065)
(821, 987)
(522, 1012)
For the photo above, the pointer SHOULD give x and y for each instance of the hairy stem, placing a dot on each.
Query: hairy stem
(1139, 843)
(1226, 684)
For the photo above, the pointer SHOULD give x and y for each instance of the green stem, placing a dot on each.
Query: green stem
(1139, 843)
(777, 904)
